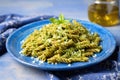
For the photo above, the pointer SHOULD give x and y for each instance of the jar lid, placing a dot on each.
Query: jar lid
(105, 1)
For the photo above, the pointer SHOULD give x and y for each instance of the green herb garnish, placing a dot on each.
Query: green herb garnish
(59, 20)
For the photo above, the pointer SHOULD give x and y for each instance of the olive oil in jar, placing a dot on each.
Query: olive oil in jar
(105, 13)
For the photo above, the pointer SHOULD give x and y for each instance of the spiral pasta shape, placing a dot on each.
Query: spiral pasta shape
(63, 43)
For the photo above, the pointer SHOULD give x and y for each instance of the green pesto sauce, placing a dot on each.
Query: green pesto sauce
(62, 43)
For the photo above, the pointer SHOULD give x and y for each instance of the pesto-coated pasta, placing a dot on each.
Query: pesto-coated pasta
(62, 43)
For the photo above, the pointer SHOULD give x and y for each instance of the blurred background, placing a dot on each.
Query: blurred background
(103, 12)
(71, 9)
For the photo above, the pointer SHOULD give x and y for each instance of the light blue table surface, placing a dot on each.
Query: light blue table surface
(77, 9)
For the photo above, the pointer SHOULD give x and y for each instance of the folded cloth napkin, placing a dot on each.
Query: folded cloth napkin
(108, 69)
(10, 22)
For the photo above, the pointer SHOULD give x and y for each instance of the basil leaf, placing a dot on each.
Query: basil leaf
(59, 20)
(53, 20)
(61, 17)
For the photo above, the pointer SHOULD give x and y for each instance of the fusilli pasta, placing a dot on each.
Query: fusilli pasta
(63, 43)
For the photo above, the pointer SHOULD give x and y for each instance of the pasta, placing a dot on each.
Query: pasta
(62, 43)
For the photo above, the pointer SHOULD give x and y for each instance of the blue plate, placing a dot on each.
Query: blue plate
(14, 41)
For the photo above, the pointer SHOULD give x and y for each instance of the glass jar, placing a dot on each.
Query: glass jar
(104, 12)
